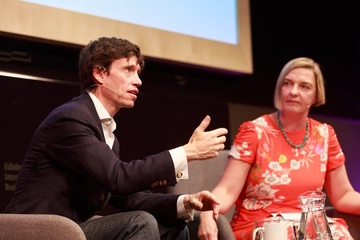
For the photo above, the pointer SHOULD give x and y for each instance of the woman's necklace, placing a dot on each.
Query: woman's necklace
(286, 137)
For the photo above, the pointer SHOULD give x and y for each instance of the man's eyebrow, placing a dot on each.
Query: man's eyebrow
(134, 66)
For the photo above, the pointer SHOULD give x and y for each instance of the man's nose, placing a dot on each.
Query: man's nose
(137, 81)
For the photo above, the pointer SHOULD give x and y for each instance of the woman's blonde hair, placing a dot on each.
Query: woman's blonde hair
(301, 62)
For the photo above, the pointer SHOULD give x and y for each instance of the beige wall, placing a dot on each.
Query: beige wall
(59, 25)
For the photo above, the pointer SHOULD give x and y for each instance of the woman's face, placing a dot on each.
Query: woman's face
(298, 91)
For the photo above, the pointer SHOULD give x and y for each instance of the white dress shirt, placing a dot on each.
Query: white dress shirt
(177, 154)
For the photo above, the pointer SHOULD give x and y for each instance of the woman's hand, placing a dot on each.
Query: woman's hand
(207, 228)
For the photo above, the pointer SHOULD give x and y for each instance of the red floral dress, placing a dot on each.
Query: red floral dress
(279, 172)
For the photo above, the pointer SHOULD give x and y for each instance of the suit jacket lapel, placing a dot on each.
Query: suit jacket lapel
(116, 147)
(90, 105)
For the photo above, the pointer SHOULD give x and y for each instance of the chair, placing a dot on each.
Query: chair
(204, 175)
(38, 227)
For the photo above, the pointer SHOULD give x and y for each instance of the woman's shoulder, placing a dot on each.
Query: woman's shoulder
(317, 123)
(321, 127)
(261, 121)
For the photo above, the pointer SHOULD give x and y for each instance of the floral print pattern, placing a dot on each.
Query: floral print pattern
(280, 173)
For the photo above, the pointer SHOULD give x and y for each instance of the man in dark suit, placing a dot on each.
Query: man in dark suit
(72, 167)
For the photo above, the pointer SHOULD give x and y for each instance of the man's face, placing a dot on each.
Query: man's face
(121, 82)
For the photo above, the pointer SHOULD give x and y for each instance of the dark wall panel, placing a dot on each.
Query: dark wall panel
(24, 104)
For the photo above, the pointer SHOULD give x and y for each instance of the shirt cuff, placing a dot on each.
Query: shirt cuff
(181, 211)
(180, 163)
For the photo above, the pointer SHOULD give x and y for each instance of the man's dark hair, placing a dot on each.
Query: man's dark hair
(102, 52)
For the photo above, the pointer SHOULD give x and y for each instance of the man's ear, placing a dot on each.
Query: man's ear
(98, 73)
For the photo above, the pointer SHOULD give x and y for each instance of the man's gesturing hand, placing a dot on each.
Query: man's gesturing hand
(205, 145)
(202, 201)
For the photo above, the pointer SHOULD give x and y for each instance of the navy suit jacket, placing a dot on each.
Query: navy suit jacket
(69, 170)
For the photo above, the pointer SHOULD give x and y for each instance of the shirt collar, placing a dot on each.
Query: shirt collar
(100, 109)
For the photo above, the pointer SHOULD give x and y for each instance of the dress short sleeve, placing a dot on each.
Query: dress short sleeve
(245, 143)
(336, 156)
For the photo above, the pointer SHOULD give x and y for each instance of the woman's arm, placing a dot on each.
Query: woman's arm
(227, 191)
(340, 191)
(231, 184)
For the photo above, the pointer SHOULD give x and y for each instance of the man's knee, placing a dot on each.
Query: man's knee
(143, 225)
(145, 218)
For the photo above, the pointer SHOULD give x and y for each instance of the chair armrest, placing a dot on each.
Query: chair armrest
(39, 227)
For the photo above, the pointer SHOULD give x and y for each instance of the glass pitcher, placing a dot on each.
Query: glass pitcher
(313, 223)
